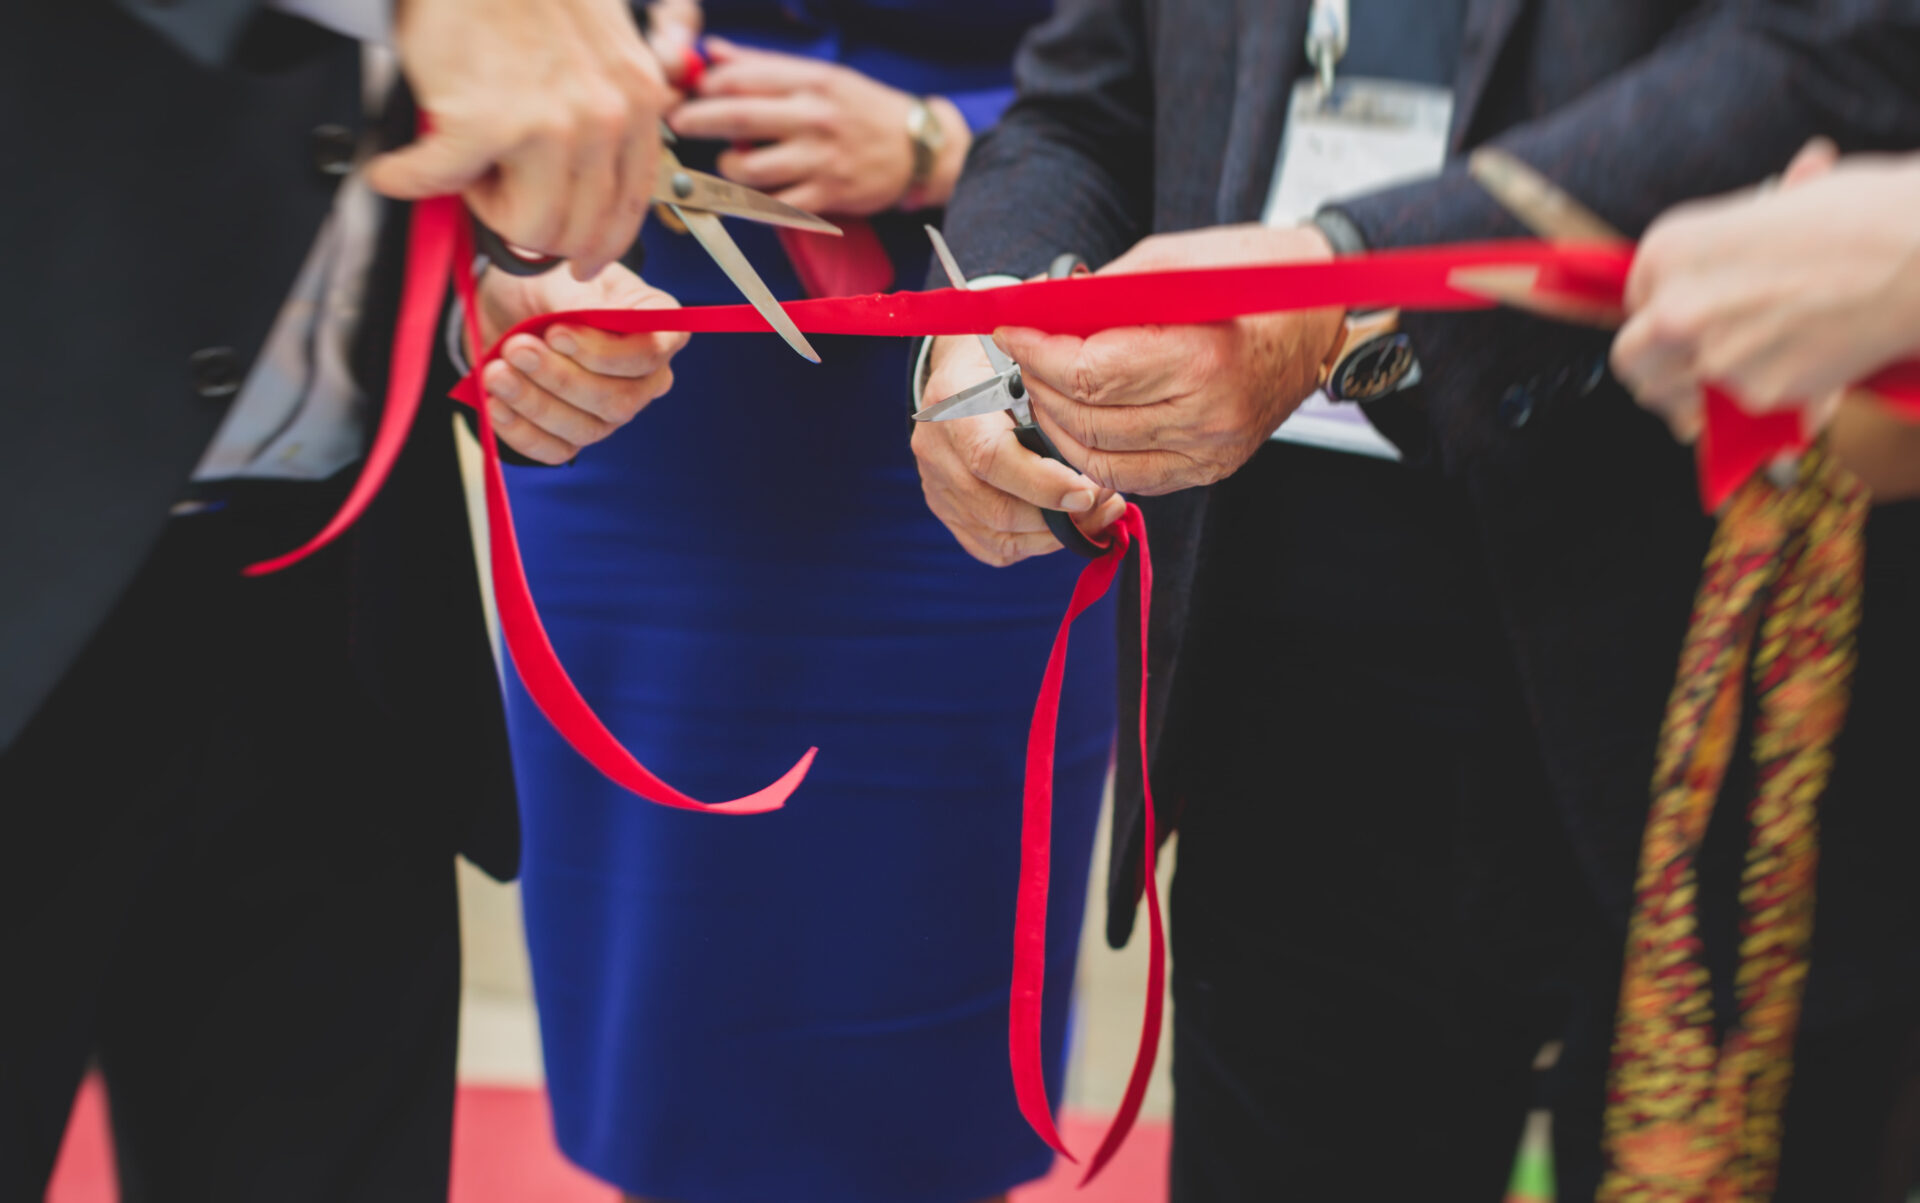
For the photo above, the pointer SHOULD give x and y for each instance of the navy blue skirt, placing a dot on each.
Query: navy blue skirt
(810, 1005)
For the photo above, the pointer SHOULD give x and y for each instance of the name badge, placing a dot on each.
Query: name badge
(1360, 136)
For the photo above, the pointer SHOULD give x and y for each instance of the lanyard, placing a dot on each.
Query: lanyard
(1328, 31)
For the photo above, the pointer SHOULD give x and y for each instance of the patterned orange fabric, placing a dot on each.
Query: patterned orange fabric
(1691, 1118)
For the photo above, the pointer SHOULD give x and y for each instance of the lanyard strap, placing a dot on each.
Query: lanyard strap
(1328, 33)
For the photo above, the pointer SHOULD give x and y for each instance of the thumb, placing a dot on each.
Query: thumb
(1815, 159)
(436, 165)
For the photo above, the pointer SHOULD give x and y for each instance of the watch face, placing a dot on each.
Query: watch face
(1373, 370)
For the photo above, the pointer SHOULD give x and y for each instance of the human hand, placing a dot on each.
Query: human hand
(550, 396)
(545, 120)
(983, 484)
(1154, 409)
(673, 29)
(826, 138)
(1781, 297)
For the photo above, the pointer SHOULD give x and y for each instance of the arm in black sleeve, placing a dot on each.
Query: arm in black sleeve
(1070, 166)
(1723, 101)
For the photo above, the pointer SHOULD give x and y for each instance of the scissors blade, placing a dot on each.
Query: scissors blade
(1535, 201)
(677, 185)
(706, 228)
(1519, 287)
(944, 253)
(987, 397)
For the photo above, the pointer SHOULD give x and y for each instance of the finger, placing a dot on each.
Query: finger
(1150, 472)
(1133, 365)
(992, 454)
(526, 201)
(1639, 356)
(740, 118)
(609, 354)
(1815, 159)
(769, 167)
(1094, 524)
(636, 165)
(612, 399)
(594, 198)
(809, 197)
(526, 438)
(542, 409)
(738, 71)
(1103, 428)
(432, 166)
(1000, 551)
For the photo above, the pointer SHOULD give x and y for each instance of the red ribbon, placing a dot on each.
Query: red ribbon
(440, 245)
(1036, 859)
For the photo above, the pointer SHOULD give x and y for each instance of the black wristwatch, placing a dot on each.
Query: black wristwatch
(1371, 358)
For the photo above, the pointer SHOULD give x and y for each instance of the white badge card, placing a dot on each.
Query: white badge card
(1358, 137)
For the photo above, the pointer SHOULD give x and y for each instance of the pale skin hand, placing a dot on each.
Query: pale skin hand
(1784, 297)
(545, 120)
(1155, 409)
(550, 396)
(983, 484)
(823, 137)
(1213, 392)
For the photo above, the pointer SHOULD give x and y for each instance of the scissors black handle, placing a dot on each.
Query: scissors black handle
(1035, 440)
(512, 262)
(1059, 522)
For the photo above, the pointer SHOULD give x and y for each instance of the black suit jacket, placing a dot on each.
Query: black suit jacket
(1137, 116)
(166, 172)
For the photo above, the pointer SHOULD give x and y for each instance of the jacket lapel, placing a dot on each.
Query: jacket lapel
(1271, 56)
(1489, 24)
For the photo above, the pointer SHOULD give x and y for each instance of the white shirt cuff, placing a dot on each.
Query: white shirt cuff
(926, 344)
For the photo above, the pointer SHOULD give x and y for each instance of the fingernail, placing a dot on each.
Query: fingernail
(524, 358)
(563, 341)
(498, 411)
(503, 383)
(1079, 503)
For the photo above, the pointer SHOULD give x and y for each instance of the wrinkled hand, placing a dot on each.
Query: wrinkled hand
(550, 396)
(824, 137)
(983, 484)
(1783, 297)
(545, 120)
(1154, 409)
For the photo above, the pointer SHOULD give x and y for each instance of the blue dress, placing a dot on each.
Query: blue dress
(808, 1006)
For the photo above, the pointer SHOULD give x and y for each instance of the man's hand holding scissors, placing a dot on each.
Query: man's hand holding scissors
(1140, 409)
(545, 120)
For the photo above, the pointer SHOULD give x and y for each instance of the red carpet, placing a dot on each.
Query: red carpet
(503, 1153)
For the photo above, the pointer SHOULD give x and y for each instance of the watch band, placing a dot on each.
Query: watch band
(1340, 231)
(926, 139)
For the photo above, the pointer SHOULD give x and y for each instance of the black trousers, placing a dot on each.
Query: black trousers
(227, 884)
(1373, 905)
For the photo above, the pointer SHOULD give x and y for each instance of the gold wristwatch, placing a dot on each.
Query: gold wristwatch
(1370, 359)
(928, 138)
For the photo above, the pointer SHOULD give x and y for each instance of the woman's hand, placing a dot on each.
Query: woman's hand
(550, 396)
(823, 137)
(1783, 297)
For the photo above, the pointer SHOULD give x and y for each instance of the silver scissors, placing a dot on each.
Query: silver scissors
(1006, 390)
(696, 200)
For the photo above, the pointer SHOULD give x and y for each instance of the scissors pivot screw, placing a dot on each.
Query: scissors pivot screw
(682, 185)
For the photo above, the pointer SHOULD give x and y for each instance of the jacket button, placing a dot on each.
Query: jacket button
(1516, 406)
(1592, 373)
(216, 372)
(333, 149)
